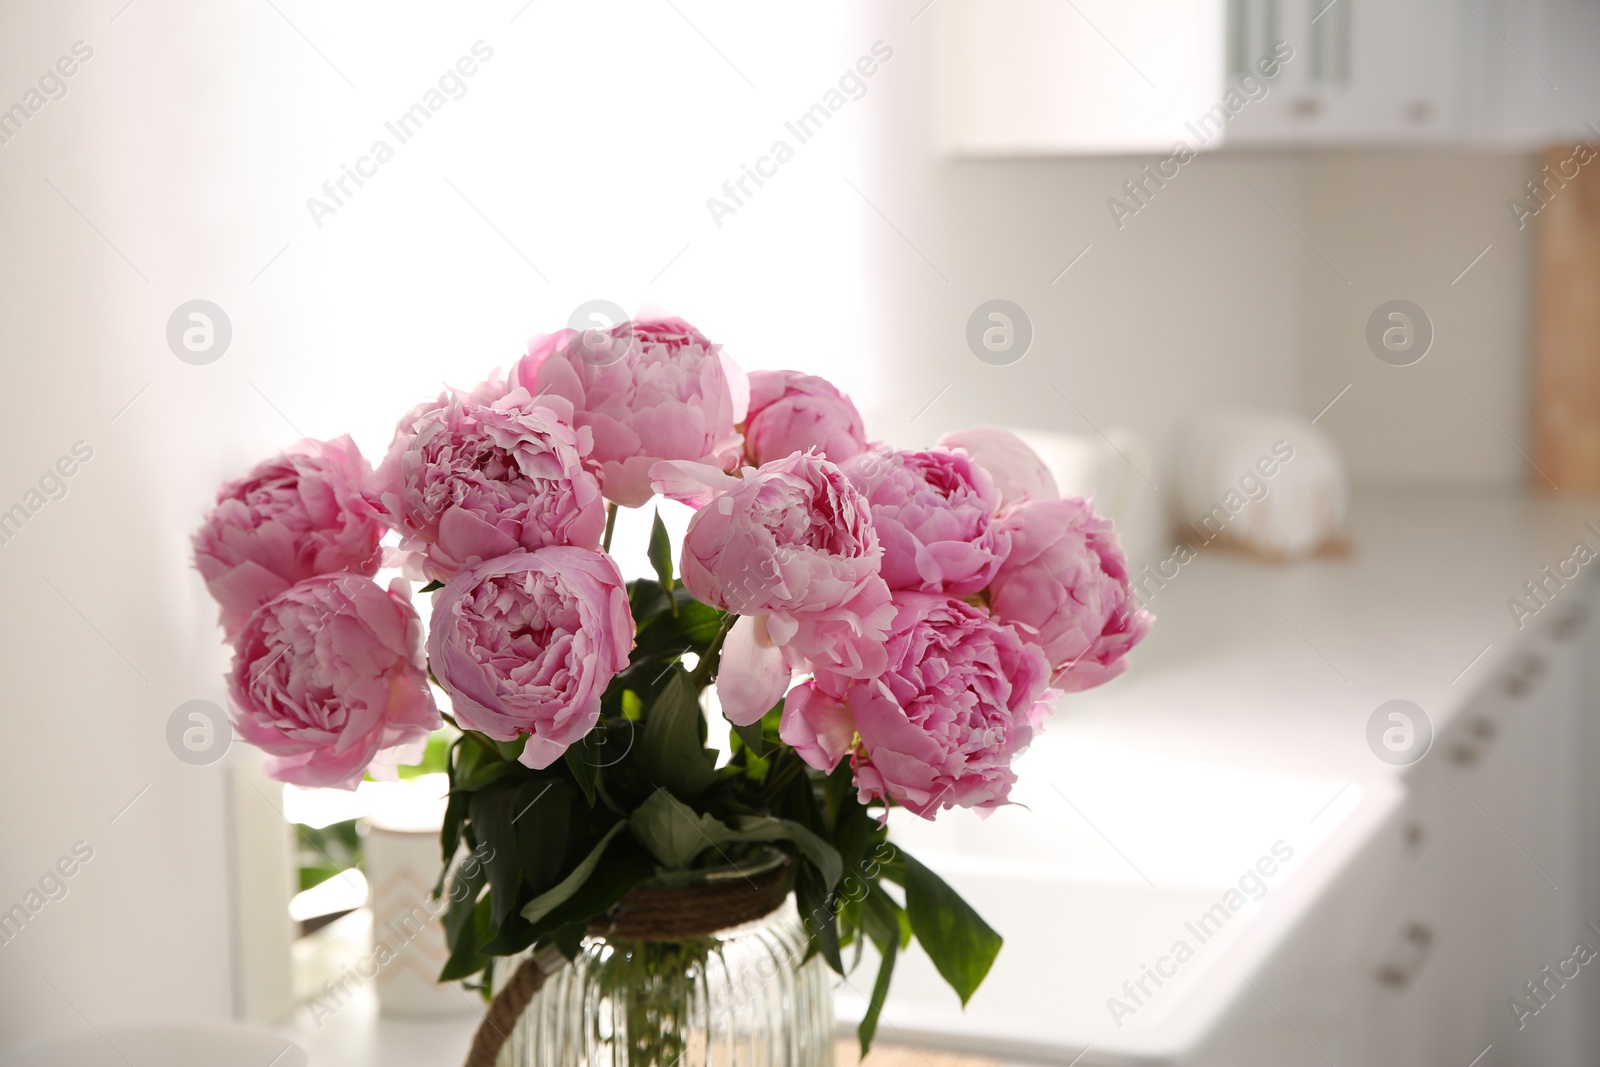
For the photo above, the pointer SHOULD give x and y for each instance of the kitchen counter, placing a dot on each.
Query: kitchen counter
(1265, 665)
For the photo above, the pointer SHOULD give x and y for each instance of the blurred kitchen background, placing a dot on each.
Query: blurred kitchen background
(1196, 252)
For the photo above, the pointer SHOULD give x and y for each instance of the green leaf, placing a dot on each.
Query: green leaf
(632, 706)
(821, 922)
(486, 775)
(569, 938)
(464, 960)
(316, 875)
(660, 552)
(491, 813)
(541, 821)
(624, 867)
(671, 753)
(961, 945)
(583, 772)
(455, 813)
(431, 586)
(752, 737)
(479, 761)
(823, 855)
(673, 627)
(466, 883)
(881, 918)
(819, 852)
(880, 990)
(546, 902)
(673, 832)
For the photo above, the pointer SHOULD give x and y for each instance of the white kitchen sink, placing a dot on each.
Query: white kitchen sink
(1112, 859)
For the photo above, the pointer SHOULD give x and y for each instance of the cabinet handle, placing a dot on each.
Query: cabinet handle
(1420, 111)
(1526, 676)
(1571, 622)
(1416, 944)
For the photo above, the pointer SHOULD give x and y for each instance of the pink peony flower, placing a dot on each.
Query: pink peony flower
(527, 643)
(793, 412)
(934, 512)
(328, 679)
(656, 390)
(791, 546)
(465, 482)
(940, 727)
(819, 728)
(1018, 472)
(295, 516)
(1065, 584)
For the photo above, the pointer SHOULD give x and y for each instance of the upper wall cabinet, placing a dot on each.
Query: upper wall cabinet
(1372, 71)
(1068, 77)
(1041, 77)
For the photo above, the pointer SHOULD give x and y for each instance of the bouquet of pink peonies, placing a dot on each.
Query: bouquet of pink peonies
(882, 628)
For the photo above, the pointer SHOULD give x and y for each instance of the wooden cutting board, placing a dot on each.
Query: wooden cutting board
(1566, 370)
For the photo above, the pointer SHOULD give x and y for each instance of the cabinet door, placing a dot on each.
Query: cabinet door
(1586, 648)
(1536, 806)
(1363, 71)
(1433, 1000)
(1537, 80)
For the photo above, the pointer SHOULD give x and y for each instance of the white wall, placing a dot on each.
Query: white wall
(1405, 225)
(104, 635)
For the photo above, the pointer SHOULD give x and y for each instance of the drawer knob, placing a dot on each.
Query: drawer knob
(1416, 944)
(1571, 623)
(1525, 677)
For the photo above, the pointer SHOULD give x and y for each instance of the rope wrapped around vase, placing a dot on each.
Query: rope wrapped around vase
(646, 914)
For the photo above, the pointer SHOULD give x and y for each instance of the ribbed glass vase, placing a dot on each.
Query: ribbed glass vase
(740, 997)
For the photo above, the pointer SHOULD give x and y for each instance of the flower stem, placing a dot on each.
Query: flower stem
(611, 522)
(708, 662)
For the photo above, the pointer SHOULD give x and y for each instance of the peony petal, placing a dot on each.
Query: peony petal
(467, 539)
(819, 728)
(690, 483)
(753, 675)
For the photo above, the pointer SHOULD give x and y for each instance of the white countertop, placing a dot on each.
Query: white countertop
(1266, 671)
(1268, 665)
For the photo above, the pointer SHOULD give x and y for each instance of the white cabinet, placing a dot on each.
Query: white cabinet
(1024, 77)
(1362, 71)
(1537, 81)
(1053, 77)
(1504, 878)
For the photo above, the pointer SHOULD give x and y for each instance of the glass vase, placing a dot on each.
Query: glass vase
(739, 997)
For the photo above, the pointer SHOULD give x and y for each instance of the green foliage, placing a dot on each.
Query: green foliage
(961, 945)
(660, 552)
(533, 856)
(672, 752)
(322, 852)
